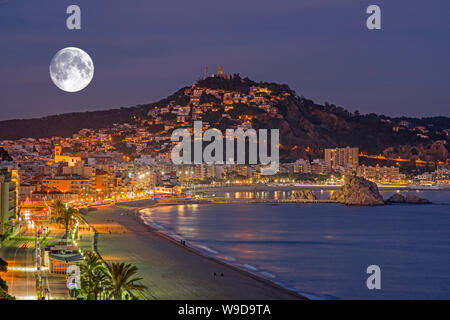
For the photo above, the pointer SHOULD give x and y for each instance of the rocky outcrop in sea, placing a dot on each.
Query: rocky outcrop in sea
(302, 195)
(358, 192)
(410, 198)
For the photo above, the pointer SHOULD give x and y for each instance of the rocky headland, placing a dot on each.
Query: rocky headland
(301, 195)
(410, 198)
(361, 192)
(358, 192)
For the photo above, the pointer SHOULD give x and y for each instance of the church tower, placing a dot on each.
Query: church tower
(58, 150)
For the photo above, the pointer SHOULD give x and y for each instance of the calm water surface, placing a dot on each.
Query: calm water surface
(323, 250)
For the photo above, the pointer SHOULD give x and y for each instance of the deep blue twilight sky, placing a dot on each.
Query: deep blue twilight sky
(145, 50)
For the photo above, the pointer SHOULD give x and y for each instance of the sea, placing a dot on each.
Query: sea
(323, 250)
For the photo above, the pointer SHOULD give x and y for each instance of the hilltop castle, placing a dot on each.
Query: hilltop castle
(220, 74)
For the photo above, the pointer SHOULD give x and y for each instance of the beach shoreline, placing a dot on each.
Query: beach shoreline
(244, 285)
(197, 252)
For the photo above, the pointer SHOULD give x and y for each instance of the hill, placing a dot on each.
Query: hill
(64, 125)
(306, 128)
(231, 101)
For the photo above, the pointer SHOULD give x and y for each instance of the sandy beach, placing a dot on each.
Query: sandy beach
(168, 269)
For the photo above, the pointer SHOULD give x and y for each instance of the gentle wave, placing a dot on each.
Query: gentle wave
(205, 248)
(250, 267)
(145, 217)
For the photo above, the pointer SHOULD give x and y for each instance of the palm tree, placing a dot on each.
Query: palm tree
(120, 278)
(65, 215)
(70, 218)
(93, 275)
(57, 208)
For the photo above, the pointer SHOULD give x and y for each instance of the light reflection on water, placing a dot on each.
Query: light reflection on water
(324, 249)
(264, 195)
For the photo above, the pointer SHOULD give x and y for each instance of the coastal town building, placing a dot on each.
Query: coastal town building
(9, 184)
(58, 157)
(381, 174)
(302, 166)
(342, 157)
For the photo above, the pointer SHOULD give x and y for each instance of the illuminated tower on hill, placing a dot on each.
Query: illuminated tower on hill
(220, 74)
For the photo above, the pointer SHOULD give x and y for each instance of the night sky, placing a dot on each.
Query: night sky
(145, 50)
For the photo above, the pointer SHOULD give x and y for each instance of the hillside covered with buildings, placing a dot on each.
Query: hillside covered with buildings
(230, 101)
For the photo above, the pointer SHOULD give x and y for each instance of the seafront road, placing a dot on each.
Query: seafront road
(19, 253)
(21, 275)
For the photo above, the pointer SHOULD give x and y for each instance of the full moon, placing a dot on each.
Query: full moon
(71, 69)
